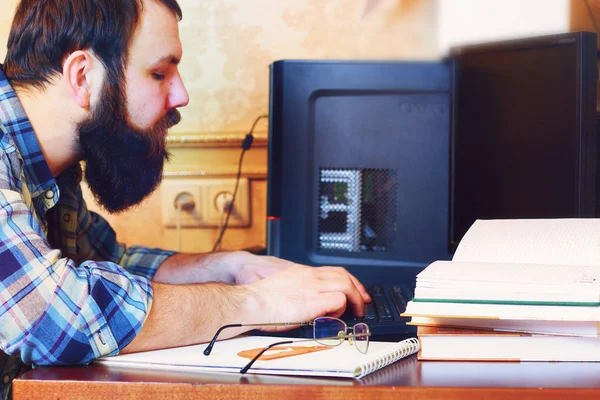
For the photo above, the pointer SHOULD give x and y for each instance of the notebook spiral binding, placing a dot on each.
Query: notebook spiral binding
(402, 350)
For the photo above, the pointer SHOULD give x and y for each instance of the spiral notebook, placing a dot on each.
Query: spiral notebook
(306, 358)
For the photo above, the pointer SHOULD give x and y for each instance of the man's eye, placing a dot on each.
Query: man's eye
(158, 77)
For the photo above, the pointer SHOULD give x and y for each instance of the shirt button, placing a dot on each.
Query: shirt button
(66, 217)
(49, 194)
(6, 379)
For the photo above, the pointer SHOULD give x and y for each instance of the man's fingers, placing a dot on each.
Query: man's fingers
(363, 291)
(338, 280)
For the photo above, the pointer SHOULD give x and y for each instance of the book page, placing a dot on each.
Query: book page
(461, 274)
(565, 328)
(509, 282)
(532, 241)
(503, 311)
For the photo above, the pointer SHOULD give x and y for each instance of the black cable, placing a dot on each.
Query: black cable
(230, 206)
(246, 144)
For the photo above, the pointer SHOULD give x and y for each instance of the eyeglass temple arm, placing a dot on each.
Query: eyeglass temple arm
(260, 353)
(346, 336)
(214, 339)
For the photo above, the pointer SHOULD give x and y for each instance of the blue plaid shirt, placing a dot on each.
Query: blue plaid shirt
(69, 292)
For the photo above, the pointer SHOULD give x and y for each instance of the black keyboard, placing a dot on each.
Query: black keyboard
(383, 313)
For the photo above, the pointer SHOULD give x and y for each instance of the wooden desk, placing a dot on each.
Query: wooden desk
(407, 379)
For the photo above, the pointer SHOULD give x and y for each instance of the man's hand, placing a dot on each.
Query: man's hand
(319, 291)
(250, 268)
(300, 293)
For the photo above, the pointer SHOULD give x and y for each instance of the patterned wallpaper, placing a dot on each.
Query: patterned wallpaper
(229, 44)
(7, 8)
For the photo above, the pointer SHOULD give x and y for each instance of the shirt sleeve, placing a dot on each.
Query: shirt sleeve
(53, 311)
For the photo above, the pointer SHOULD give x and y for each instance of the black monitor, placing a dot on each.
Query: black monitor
(358, 165)
(523, 141)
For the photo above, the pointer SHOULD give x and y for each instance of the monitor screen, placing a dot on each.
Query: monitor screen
(523, 139)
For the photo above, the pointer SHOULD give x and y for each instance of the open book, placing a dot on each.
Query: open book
(540, 275)
(544, 261)
(308, 359)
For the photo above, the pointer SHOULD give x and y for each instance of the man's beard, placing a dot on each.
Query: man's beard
(123, 164)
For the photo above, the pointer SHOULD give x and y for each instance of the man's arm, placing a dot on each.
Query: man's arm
(185, 312)
(182, 268)
(188, 314)
(54, 310)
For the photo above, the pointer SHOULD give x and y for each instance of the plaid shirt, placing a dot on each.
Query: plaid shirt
(69, 292)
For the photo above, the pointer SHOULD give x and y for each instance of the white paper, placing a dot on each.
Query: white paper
(532, 241)
(341, 361)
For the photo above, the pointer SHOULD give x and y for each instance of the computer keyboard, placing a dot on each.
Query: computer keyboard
(380, 309)
(383, 313)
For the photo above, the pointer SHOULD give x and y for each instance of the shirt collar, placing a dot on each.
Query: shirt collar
(37, 172)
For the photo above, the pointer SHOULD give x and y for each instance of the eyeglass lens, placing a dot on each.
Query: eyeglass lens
(327, 327)
(330, 328)
(361, 337)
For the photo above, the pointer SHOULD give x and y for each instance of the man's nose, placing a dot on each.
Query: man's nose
(178, 95)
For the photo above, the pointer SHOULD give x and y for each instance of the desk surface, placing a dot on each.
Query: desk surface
(405, 379)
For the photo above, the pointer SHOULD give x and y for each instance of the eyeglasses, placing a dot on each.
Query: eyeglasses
(327, 331)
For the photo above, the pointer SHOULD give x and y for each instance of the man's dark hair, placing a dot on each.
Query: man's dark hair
(45, 32)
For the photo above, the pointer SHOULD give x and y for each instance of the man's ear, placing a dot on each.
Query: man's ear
(77, 74)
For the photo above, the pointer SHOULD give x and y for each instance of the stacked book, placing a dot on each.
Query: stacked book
(518, 290)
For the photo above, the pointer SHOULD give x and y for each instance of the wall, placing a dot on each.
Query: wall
(468, 21)
(6, 12)
(228, 46)
(582, 18)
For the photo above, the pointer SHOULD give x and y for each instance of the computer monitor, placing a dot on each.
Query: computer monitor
(524, 139)
(358, 165)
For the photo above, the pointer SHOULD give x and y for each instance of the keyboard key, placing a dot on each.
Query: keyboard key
(382, 308)
(376, 290)
(370, 313)
(399, 298)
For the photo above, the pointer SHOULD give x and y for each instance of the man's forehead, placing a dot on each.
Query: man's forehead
(156, 38)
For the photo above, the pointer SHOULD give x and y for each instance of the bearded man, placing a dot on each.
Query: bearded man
(98, 81)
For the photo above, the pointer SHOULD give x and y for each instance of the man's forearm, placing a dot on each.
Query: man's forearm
(193, 268)
(187, 314)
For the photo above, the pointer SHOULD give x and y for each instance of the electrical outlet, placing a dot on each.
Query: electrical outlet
(170, 190)
(210, 197)
(217, 195)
